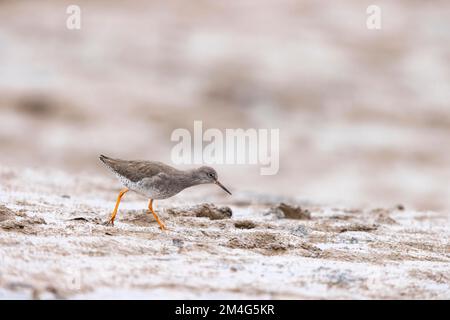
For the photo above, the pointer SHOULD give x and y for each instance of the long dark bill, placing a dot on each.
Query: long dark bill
(221, 185)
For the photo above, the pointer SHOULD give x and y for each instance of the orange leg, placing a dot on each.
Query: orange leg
(113, 215)
(150, 207)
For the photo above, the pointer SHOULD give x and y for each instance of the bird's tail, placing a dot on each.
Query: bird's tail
(106, 160)
(114, 165)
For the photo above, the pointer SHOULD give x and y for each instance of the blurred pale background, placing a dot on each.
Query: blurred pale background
(364, 115)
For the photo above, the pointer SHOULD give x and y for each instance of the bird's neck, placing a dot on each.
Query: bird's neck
(188, 179)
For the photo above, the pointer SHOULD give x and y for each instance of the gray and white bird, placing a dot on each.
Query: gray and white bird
(156, 180)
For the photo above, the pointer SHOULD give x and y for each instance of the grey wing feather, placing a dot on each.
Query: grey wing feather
(136, 170)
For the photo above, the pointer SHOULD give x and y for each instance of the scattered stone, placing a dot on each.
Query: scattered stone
(287, 211)
(65, 196)
(400, 207)
(245, 224)
(202, 210)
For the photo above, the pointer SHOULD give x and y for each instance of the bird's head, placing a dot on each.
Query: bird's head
(208, 175)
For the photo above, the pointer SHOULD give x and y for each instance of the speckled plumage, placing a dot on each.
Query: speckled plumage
(153, 179)
(156, 180)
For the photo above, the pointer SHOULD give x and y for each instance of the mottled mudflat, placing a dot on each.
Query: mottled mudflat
(54, 244)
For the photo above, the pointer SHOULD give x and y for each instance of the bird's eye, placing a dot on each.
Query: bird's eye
(211, 175)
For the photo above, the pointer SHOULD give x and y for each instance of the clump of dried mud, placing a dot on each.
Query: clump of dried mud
(10, 220)
(206, 210)
(6, 213)
(245, 224)
(54, 244)
(287, 211)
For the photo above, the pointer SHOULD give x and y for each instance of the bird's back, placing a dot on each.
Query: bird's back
(135, 171)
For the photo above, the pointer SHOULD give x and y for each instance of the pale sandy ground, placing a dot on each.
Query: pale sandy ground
(53, 244)
(364, 123)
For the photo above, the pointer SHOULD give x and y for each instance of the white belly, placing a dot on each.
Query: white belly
(147, 191)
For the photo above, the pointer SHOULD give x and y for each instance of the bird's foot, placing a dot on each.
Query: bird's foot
(163, 227)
